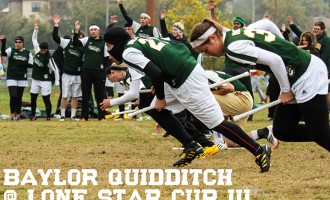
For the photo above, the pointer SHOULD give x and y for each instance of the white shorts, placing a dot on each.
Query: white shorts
(314, 81)
(195, 96)
(71, 85)
(44, 86)
(18, 83)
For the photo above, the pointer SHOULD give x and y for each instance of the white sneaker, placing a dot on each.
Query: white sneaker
(75, 118)
(219, 140)
(271, 138)
(61, 119)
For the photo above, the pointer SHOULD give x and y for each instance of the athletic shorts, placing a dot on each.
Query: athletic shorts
(45, 87)
(195, 96)
(18, 83)
(71, 85)
(314, 81)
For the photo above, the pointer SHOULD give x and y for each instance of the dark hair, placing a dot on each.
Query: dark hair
(108, 70)
(311, 41)
(320, 24)
(43, 45)
(200, 28)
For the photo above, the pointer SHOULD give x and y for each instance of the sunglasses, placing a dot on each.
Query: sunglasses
(18, 42)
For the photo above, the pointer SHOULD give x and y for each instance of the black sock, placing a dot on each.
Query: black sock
(171, 125)
(237, 135)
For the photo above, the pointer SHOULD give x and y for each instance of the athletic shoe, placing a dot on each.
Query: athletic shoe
(75, 118)
(192, 151)
(18, 119)
(61, 119)
(12, 119)
(33, 118)
(119, 119)
(48, 119)
(219, 140)
(84, 119)
(271, 138)
(263, 159)
(209, 151)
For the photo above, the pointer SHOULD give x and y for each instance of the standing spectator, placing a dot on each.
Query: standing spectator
(142, 29)
(95, 60)
(41, 77)
(308, 42)
(19, 60)
(323, 41)
(177, 34)
(255, 82)
(71, 80)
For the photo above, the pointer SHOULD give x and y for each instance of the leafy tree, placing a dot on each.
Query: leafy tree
(191, 11)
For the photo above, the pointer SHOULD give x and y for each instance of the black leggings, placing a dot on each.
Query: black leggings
(89, 78)
(286, 125)
(16, 95)
(47, 102)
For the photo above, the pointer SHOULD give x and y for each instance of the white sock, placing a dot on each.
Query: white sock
(63, 112)
(73, 112)
(254, 135)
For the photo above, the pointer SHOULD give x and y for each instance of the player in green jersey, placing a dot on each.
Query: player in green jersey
(43, 66)
(19, 60)
(302, 77)
(175, 74)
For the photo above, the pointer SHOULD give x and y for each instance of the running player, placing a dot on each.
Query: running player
(302, 77)
(176, 74)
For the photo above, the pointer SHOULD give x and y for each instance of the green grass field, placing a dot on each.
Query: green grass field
(299, 170)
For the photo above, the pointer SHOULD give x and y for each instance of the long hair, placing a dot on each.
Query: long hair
(310, 39)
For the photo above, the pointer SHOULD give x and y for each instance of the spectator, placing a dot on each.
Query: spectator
(95, 60)
(71, 80)
(43, 65)
(142, 29)
(19, 60)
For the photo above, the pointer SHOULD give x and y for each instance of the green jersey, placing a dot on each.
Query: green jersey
(145, 31)
(173, 58)
(40, 68)
(237, 41)
(94, 54)
(72, 59)
(18, 64)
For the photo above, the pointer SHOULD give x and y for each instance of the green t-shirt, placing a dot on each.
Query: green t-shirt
(94, 55)
(72, 59)
(18, 64)
(40, 69)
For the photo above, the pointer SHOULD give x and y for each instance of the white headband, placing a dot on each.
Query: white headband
(94, 27)
(145, 15)
(203, 38)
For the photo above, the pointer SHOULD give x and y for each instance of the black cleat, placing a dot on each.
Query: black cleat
(192, 151)
(263, 159)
